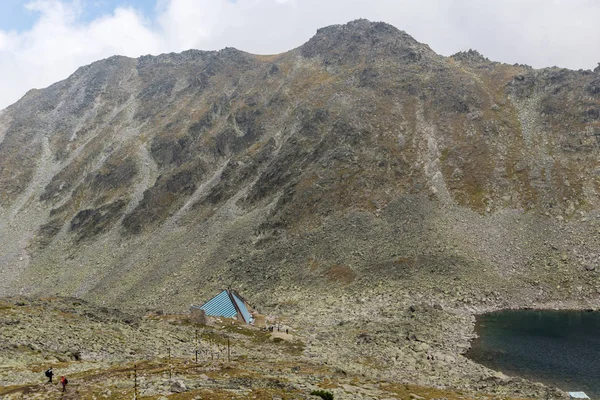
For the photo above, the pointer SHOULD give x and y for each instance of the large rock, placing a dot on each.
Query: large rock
(178, 386)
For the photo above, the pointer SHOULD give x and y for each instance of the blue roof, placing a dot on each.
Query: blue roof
(242, 308)
(222, 306)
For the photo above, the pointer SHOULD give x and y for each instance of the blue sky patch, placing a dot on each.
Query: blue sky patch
(14, 16)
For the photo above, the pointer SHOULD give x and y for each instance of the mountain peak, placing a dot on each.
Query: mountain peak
(360, 38)
(361, 25)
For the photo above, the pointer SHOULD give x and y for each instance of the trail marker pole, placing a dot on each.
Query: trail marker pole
(170, 366)
(196, 346)
(135, 391)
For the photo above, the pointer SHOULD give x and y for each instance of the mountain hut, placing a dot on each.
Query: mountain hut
(228, 304)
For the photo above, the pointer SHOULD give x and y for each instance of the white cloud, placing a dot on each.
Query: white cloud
(537, 32)
(58, 44)
(4, 40)
(193, 23)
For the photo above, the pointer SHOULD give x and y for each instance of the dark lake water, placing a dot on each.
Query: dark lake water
(560, 348)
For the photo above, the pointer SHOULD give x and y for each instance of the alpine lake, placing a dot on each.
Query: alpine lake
(558, 348)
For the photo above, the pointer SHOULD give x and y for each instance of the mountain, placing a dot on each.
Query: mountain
(361, 158)
(367, 191)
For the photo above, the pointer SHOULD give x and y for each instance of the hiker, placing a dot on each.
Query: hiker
(63, 382)
(49, 374)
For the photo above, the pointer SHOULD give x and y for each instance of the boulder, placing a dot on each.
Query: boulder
(178, 387)
(590, 267)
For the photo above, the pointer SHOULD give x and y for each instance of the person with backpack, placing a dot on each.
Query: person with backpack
(63, 382)
(49, 374)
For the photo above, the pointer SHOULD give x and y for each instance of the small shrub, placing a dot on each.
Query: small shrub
(322, 394)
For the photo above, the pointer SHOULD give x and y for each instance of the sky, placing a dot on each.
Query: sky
(44, 41)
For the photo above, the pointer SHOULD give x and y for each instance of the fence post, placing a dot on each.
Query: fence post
(196, 346)
(170, 366)
(135, 391)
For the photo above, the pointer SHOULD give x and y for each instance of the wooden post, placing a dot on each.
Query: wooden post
(135, 391)
(196, 346)
(170, 367)
(228, 351)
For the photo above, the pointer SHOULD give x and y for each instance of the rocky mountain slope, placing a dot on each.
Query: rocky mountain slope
(341, 184)
(360, 155)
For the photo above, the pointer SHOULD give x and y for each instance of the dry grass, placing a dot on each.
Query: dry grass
(405, 391)
(5, 306)
(267, 381)
(341, 274)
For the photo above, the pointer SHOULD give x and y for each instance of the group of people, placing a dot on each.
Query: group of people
(63, 380)
(271, 328)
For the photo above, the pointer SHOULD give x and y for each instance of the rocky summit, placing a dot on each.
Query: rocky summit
(371, 193)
